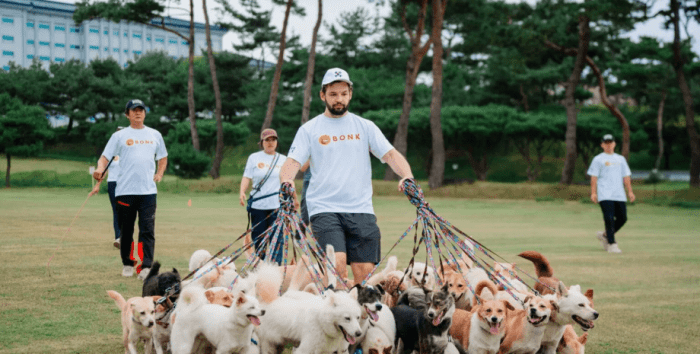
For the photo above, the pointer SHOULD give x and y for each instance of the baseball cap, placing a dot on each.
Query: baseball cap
(607, 137)
(267, 133)
(335, 74)
(135, 103)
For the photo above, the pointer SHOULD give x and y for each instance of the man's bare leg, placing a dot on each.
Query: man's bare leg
(341, 264)
(360, 271)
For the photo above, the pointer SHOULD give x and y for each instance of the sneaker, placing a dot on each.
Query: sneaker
(613, 248)
(128, 271)
(603, 240)
(144, 273)
(117, 243)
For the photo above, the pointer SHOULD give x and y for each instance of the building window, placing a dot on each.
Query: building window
(148, 39)
(137, 52)
(125, 65)
(44, 58)
(30, 41)
(60, 45)
(73, 46)
(126, 34)
(106, 49)
(8, 39)
(116, 50)
(94, 30)
(59, 28)
(160, 40)
(60, 60)
(126, 50)
(43, 43)
(94, 47)
(106, 32)
(116, 33)
(30, 24)
(173, 41)
(137, 35)
(30, 56)
(184, 43)
(8, 53)
(44, 26)
(8, 20)
(6, 68)
(74, 30)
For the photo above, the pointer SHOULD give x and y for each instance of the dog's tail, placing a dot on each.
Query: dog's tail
(542, 267)
(332, 280)
(268, 281)
(480, 287)
(391, 265)
(191, 298)
(118, 298)
(155, 268)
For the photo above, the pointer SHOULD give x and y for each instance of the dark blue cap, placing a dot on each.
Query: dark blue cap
(135, 103)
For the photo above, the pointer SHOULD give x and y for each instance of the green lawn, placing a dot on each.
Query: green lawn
(648, 296)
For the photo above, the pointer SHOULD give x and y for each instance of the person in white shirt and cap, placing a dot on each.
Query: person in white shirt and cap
(609, 172)
(339, 198)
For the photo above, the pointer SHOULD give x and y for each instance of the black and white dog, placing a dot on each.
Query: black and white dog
(370, 299)
(424, 328)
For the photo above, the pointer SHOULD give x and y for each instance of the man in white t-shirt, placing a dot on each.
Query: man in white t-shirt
(339, 197)
(609, 172)
(138, 148)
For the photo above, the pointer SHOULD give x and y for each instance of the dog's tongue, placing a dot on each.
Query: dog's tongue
(494, 329)
(254, 320)
(373, 315)
(534, 320)
(350, 339)
(437, 320)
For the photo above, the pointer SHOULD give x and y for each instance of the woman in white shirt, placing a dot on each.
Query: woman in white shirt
(262, 169)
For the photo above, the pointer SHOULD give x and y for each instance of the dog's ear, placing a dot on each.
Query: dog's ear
(554, 305)
(508, 305)
(527, 298)
(353, 292)
(330, 297)
(562, 290)
(446, 287)
(380, 288)
(240, 298)
(583, 339)
(175, 271)
(589, 294)
(210, 295)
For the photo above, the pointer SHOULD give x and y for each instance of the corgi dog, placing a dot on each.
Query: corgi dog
(505, 271)
(571, 343)
(525, 328)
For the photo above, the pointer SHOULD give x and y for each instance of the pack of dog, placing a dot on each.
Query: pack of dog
(455, 308)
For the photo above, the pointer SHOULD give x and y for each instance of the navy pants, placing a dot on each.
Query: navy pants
(261, 220)
(128, 206)
(615, 215)
(111, 187)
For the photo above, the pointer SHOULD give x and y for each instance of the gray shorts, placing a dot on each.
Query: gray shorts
(355, 234)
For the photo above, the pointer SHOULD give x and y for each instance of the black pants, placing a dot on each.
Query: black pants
(615, 215)
(111, 188)
(261, 222)
(127, 207)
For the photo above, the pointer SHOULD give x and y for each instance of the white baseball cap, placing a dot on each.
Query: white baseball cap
(335, 74)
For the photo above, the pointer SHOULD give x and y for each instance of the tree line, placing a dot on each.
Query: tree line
(480, 63)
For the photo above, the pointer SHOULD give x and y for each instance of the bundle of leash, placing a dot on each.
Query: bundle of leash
(462, 299)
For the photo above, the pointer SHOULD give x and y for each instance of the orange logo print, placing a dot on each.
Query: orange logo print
(324, 139)
(607, 163)
(116, 158)
(261, 165)
(130, 142)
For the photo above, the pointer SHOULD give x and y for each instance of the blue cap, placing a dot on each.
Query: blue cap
(135, 103)
(608, 137)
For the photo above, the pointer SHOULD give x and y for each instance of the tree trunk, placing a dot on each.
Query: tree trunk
(437, 171)
(7, 173)
(659, 131)
(678, 64)
(526, 106)
(418, 51)
(306, 109)
(567, 176)
(219, 154)
(70, 125)
(480, 166)
(190, 82)
(278, 71)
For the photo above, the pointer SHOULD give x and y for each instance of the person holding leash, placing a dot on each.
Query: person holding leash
(609, 172)
(339, 196)
(263, 169)
(138, 148)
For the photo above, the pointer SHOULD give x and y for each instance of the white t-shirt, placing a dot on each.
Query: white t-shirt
(138, 150)
(341, 173)
(610, 170)
(113, 170)
(256, 168)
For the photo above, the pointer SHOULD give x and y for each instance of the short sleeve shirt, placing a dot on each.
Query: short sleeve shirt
(341, 173)
(113, 171)
(610, 170)
(138, 151)
(256, 168)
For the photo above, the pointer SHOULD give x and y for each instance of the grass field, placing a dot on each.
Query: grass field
(648, 296)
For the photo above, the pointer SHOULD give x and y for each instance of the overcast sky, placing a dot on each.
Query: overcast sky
(303, 26)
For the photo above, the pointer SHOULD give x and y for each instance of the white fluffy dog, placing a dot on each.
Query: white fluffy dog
(421, 275)
(318, 325)
(229, 329)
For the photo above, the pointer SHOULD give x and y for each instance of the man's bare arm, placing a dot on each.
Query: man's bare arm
(162, 165)
(399, 165)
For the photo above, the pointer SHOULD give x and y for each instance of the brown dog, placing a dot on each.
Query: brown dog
(138, 318)
(545, 273)
(571, 343)
(525, 328)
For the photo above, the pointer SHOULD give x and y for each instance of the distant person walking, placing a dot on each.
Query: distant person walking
(610, 175)
(263, 170)
(138, 148)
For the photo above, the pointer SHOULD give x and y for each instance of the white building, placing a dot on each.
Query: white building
(45, 30)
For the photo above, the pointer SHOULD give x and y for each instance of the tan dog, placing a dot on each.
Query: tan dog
(571, 343)
(505, 270)
(482, 329)
(138, 318)
(525, 328)
(393, 285)
(545, 273)
(458, 289)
